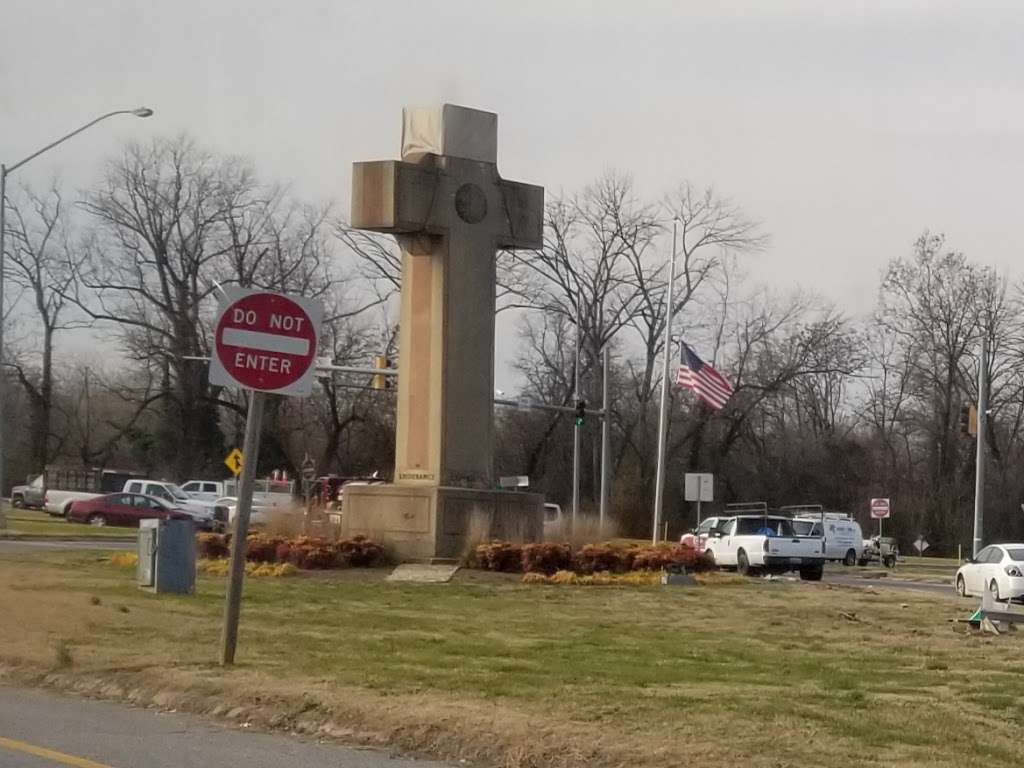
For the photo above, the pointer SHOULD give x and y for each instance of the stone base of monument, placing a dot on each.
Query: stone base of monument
(423, 523)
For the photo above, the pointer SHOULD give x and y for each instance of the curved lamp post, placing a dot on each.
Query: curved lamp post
(5, 170)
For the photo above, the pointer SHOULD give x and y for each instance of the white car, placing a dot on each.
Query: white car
(258, 514)
(999, 568)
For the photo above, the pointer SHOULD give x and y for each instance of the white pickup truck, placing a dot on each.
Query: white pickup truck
(753, 543)
(64, 486)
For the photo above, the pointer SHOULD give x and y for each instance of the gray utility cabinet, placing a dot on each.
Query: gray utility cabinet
(167, 556)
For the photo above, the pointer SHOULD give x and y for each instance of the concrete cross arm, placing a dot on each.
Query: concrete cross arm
(523, 219)
(402, 198)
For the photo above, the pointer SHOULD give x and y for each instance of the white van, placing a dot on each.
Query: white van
(843, 538)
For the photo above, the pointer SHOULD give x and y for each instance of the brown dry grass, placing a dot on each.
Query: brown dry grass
(495, 672)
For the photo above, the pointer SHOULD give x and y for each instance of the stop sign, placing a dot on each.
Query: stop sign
(266, 341)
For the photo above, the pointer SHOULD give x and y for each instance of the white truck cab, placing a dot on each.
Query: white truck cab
(752, 543)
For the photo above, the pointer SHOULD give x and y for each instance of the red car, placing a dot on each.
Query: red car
(124, 509)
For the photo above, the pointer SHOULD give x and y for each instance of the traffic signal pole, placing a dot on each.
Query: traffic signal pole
(979, 473)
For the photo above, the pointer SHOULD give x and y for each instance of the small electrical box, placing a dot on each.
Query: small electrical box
(167, 556)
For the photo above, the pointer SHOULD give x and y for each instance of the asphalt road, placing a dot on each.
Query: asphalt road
(40, 545)
(39, 729)
(889, 582)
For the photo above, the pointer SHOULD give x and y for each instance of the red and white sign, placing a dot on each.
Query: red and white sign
(266, 341)
(879, 508)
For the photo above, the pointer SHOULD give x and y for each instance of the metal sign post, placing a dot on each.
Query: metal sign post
(266, 343)
(240, 530)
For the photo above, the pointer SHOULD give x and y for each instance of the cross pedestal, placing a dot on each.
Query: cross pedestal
(450, 211)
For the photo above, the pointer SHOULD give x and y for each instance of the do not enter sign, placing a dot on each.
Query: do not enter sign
(266, 342)
(880, 508)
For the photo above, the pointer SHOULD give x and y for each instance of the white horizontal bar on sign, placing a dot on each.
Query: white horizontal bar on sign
(265, 342)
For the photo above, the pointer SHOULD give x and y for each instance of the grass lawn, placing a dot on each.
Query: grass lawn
(501, 673)
(33, 522)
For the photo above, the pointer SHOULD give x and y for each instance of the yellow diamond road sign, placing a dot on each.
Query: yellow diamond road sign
(234, 461)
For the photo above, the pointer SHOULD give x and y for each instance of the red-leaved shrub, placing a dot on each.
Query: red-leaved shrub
(500, 556)
(592, 558)
(360, 552)
(546, 558)
(654, 558)
(212, 545)
(261, 549)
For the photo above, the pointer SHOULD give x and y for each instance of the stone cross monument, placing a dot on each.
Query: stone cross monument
(450, 211)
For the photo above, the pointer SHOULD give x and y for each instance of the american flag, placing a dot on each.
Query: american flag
(709, 385)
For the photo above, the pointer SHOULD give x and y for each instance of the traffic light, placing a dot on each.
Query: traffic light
(581, 412)
(965, 419)
(968, 420)
(379, 381)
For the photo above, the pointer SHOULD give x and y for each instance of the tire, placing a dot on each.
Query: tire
(66, 511)
(890, 561)
(18, 502)
(812, 573)
(742, 563)
(851, 558)
(993, 589)
(97, 520)
(961, 586)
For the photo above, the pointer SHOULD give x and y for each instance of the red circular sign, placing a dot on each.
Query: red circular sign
(265, 341)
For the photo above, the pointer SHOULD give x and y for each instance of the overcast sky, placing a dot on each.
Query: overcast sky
(846, 131)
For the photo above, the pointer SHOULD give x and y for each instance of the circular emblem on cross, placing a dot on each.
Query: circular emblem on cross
(471, 203)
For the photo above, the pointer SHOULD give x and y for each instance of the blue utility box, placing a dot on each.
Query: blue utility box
(167, 556)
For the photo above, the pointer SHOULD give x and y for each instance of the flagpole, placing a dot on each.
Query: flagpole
(659, 480)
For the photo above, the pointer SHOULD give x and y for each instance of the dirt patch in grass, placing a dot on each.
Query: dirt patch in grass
(496, 672)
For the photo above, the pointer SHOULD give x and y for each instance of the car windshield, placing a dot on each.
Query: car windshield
(1016, 553)
(176, 492)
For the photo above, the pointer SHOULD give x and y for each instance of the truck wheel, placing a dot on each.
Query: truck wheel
(890, 561)
(851, 558)
(812, 573)
(17, 501)
(97, 520)
(742, 563)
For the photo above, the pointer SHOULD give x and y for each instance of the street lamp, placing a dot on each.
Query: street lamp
(4, 172)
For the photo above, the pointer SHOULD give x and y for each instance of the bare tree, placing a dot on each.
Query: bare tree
(42, 261)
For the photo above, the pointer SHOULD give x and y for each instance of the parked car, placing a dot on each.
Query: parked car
(226, 507)
(176, 497)
(999, 568)
(29, 496)
(123, 509)
(752, 543)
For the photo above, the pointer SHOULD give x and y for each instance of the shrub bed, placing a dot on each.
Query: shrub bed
(302, 552)
(550, 559)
